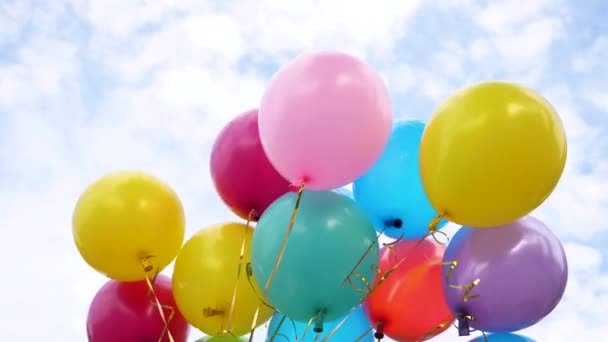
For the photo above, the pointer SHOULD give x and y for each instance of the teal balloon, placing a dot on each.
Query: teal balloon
(355, 326)
(392, 188)
(329, 236)
(503, 337)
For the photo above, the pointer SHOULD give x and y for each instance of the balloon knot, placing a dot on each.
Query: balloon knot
(319, 322)
(395, 223)
(296, 187)
(379, 334)
(464, 328)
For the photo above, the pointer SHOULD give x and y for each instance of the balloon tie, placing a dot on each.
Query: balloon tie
(147, 267)
(238, 275)
(464, 327)
(434, 232)
(212, 312)
(379, 335)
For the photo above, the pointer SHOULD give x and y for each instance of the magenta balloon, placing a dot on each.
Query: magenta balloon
(522, 271)
(241, 172)
(124, 312)
(325, 118)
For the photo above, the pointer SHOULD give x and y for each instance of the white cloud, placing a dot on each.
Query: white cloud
(92, 86)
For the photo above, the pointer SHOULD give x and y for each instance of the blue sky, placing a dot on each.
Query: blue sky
(88, 87)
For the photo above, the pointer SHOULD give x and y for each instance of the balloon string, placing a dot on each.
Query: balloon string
(238, 276)
(382, 274)
(261, 299)
(433, 231)
(462, 330)
(362, 336)
(278, 328)
(308, 325)
(467, 287)
(292, 221)
(147, 266)
(249, 273)
(369, 289)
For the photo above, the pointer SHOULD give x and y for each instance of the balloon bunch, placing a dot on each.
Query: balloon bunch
(308, 252)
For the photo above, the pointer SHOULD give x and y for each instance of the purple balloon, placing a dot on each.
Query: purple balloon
(522, 271)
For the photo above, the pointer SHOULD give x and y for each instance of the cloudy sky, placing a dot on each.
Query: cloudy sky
(88, 87)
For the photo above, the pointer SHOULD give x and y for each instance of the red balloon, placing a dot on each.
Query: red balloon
(124, 312)
(410, 303)
(241, 171)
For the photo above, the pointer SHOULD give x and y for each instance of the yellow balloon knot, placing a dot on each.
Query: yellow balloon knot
(145, 263)
(211, 312)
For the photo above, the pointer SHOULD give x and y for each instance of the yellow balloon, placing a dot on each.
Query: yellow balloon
(491, 154)
(205, 277)
(125, 217)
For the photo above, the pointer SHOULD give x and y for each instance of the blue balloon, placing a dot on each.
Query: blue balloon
(392, 188)
(503, 337)
(330, 235)
(354, 327)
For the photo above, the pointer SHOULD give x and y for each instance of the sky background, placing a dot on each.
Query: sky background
(88, 87)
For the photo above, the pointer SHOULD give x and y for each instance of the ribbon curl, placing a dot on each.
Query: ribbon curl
(147, 267)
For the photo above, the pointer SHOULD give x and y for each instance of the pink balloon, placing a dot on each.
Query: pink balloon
(123, 312)
(325, 119)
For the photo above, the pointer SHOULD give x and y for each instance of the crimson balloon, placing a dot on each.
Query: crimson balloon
(241, 171)
(125, 312)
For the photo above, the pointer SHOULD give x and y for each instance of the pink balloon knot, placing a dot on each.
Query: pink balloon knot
(295, 187)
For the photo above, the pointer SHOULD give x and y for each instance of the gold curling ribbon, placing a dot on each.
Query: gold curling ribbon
(369, 287)
(434, 232)
(279, 257)
(467, 287)
(308, 325)
(465, 297)
(147, 267)
(276, 331)
(249, 273)
(285, 238)
(260, 298)
(228, 328)
(362, 336)
(436, 329)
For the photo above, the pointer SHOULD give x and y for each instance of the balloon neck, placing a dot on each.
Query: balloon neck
(379, 335)
(464, 328)
(394, 223)
(253, 215)
(297, 187)
(211, 312)
(319, 322)
(146, 264)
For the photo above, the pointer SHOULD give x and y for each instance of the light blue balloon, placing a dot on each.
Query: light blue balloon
(354, 327)
(330, 235)
(503, 337)
(392, 188)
